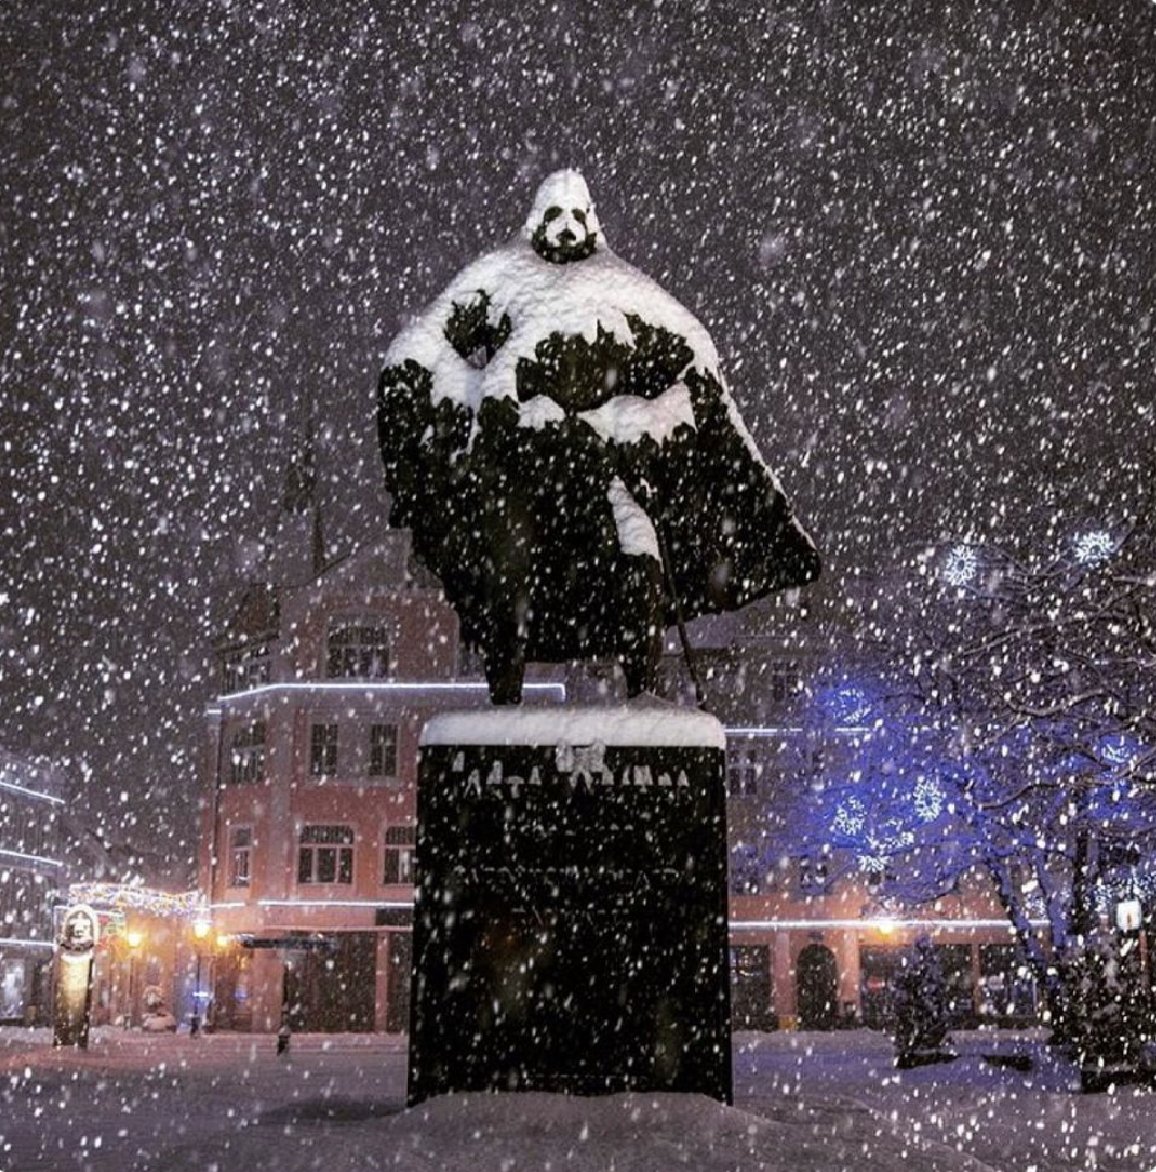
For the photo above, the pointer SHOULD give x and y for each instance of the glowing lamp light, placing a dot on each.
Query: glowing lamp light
(886, 926)
(134, 938)
(201, 928)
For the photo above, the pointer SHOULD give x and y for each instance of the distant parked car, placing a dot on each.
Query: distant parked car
(159, 1022)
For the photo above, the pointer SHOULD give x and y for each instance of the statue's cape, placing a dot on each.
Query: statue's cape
(583, 406)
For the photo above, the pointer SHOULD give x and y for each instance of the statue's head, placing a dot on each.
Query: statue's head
(562, 225)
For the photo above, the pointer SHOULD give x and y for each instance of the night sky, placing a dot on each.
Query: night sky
(924, 244)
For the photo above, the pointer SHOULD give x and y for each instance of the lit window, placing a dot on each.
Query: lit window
(247, 757)
(383, 750)
(358, 651)
(325, 854)
(399, 844)
(323, 750)
(240, 856)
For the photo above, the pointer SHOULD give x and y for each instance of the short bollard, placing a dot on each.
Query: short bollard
(283, 1036)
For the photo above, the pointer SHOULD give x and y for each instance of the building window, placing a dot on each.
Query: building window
(323, 750)
(247, 756)
(245, 667)
(744, 769)
(240, 856)
(784, 680)
(358, 651)
(814, 876)
(818, 759)
(747, 869)
(383, 750)
(325, 854)
(399, 844)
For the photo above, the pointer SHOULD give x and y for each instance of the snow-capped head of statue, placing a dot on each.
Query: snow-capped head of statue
(562, 225)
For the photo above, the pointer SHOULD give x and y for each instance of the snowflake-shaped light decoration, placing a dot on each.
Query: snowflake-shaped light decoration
(873, 864)
(850, 704)
(1117, 749)
(927, 799)
(892, 838)
(960, 566)
(850, 818)
(1093, 547)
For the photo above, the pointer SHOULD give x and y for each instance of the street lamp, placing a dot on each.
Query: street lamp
(201, 929)
(134, 938)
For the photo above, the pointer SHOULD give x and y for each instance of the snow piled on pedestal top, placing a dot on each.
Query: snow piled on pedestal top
(645, 722)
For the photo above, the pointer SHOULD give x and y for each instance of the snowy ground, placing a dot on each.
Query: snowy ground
(228, 1103)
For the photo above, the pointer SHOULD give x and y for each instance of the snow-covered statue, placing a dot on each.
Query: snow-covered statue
(556, 432)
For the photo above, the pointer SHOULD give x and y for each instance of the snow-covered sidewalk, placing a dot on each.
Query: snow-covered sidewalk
(1014, 1120)
(335, 1103)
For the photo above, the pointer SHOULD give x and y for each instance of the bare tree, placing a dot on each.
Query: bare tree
(1012, 727)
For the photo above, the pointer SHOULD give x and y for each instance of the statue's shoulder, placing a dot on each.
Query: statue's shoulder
(485, 282)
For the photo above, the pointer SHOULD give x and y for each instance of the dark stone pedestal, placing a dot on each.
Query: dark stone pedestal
(570, 932)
